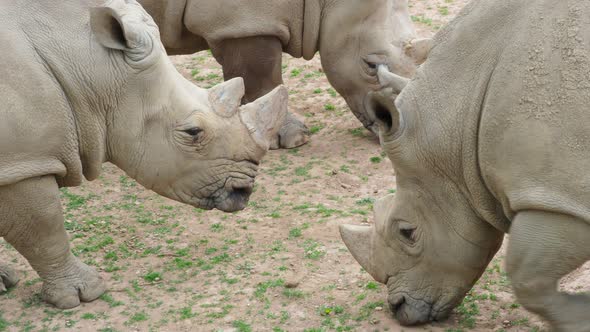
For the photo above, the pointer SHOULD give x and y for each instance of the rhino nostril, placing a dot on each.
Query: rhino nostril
(242, 189)
(394, 306)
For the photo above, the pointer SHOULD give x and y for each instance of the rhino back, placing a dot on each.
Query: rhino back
(534, 139)
(37, 132)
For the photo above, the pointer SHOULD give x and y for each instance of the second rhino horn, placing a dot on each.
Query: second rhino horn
(225, 98)
(388, 79)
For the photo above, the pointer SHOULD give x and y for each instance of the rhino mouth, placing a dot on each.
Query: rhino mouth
(409, 310)
(236, 197)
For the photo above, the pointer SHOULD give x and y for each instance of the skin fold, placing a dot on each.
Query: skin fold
(490, 137)
(83, 85)
(248, 37)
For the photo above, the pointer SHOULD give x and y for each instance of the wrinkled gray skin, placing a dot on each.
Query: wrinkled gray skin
(247, 37)
(491, 136)
(78, 90)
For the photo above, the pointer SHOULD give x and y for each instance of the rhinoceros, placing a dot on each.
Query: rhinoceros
(82, 85)
(491, 136)
(247, 37)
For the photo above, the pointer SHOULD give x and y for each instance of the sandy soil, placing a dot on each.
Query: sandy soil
(278, 265)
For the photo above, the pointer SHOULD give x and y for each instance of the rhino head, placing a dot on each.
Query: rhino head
(427, 243)
(189, 144)
(357, 36)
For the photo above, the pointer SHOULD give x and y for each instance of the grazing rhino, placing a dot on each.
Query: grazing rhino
(247, 37)
(492, 136)
(81, 86)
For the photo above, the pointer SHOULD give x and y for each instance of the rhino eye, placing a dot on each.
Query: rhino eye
(371, 67)
(407, 231)
(193, 131)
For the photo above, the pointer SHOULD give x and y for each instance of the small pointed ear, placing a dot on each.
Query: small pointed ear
(381, 108)
(123, 26)
(107, 27)
(226, 97)
(418, 49)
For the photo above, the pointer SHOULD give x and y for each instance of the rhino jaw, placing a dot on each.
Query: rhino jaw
(360, 241)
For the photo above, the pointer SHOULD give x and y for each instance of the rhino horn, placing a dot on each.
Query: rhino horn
(225, 98)
(360, 241)
(388, 79)
(265, 116)
(418, 49)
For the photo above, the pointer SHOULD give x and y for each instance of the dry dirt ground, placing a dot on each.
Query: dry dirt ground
(277, 266)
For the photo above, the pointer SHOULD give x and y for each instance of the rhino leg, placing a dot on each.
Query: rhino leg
(258, 61)
(8, 278)
(32, 210)
(544, 247)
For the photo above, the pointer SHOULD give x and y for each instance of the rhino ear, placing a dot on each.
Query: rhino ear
(121, 26)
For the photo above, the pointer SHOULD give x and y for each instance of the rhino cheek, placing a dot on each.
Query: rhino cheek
(368, 250)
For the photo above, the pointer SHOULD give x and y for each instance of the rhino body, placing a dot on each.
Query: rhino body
(492, 136)
(247, 37)
(82, 86)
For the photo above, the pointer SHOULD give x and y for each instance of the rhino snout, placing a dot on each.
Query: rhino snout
(236, 194)
(410, 311)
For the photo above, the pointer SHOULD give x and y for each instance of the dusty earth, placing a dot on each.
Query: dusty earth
(277, 266)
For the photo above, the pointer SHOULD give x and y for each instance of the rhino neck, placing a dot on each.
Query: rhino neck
(85, 73)
(312, 13)
(448, 125)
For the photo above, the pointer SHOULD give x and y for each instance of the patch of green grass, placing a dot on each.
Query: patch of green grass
(312, 249)
(217, 227)
(293, 293)
(332, 92)
(262, 287)
(223, 258)
(316, 128)
(186, 313)
(152, 276)
(73, 201)
(468, 310)
(358, 132)
(4, 324)
(137, 317)
(375, 160)
(329, 107)
(443, 10)
(365, 201)
(93, 244)
(295, 232)
(242, 326)
(88, 315)
(422, 19)
(372, 285)
(303, 170)
(367, 309)
(316, 91)
(108, 298)
(295, 72)
(181, 263)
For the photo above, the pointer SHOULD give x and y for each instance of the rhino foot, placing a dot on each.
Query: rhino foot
(8, 278)
(292, 134)
(79, 282)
